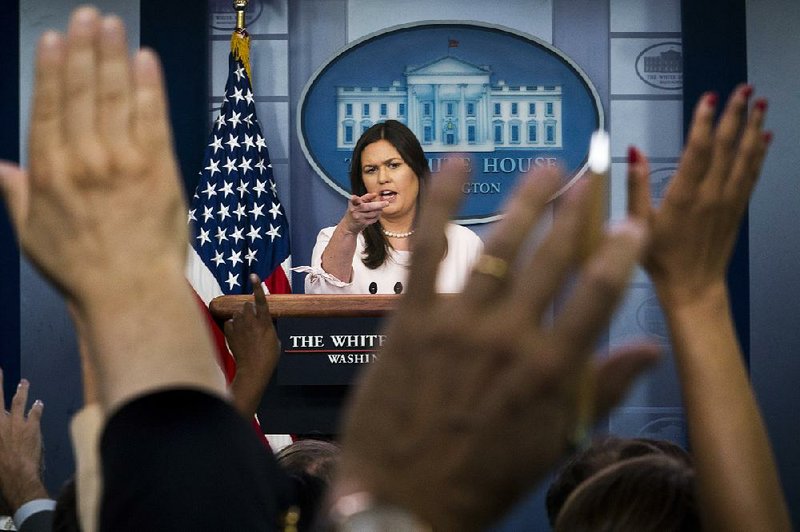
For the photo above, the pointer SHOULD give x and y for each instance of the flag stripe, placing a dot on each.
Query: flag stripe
(203, 281)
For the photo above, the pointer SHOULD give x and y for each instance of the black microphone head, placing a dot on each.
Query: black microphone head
(373, 287)
(398, 287)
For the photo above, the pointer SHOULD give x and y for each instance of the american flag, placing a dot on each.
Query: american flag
(238, 225)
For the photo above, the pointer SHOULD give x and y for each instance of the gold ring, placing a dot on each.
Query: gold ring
(492, 266)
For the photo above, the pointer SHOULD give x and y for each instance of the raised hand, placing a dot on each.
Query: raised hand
(476, 396)
(695, 227)
(20, 448)
(693, 233)
(255, 346)
(100, 155)
(100, 209)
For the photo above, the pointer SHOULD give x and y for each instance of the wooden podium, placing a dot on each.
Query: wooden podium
(319, 355)
(309, 306)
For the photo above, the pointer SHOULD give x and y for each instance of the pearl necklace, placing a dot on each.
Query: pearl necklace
(393, 234)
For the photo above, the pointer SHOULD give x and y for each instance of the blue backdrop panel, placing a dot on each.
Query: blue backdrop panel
(715, 59)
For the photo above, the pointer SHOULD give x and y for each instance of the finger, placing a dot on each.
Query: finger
(726, 138)
(522, 212)
(35, 413)
(151, 127)
(598, 289)
(262, 308)
(369, 196)
(553, 260)
(248, 312)
(80, 80)
(372, 207)
(616, 374)
(20, 399)
(697, 153)
(639, 204)
(228, 327)
(371, 217)
(440, 203)
(46, 129)
(114, 85)
(355, 201)
(14, 187)
(750, 155)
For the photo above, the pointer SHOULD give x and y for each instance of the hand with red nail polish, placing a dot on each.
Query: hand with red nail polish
(693, 232)
(695, 228)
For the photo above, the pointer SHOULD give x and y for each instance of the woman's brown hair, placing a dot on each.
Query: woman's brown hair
(407, 145)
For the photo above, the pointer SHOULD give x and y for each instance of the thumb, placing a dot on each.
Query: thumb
(616, 374)
(14, 188)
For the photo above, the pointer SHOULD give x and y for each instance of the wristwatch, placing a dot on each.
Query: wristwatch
(359, 512)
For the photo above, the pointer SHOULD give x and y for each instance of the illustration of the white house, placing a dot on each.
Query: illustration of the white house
(451, 105)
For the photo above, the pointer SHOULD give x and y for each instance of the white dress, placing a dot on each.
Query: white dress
(463, 249)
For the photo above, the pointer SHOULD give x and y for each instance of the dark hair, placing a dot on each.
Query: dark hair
(313, 457)
(311, 465)
(650, 493)
(407, 145)
(601, 454)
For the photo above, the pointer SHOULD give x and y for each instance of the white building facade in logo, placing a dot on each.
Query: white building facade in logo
(451, 105)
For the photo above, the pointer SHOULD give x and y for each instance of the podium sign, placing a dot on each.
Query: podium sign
(325, 341)
(327, 351)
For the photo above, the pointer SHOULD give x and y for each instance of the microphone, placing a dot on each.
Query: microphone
(373, 287)
(398, 287)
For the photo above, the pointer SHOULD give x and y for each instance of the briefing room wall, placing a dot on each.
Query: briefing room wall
(649, 116)
(646, 110)
(49, 356)
(606, 39)
(603, 38)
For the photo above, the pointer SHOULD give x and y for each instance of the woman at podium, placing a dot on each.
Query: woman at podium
(368, 251)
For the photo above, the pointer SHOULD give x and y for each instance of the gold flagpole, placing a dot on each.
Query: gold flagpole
(241, 8)
(240, 40)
